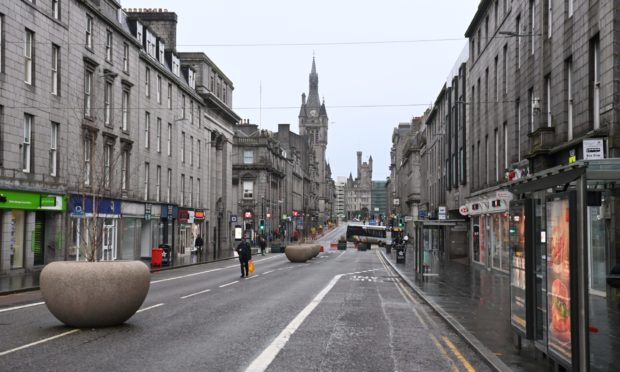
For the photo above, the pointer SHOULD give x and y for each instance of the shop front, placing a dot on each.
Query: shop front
(168, 217)
(31, 232)
(187, 231)
(489, 228)
(93, 228)
(564, 244)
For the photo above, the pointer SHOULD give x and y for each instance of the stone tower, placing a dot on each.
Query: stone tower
(313, 123)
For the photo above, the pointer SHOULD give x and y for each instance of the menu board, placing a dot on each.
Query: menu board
(518, 304)
(558, 278)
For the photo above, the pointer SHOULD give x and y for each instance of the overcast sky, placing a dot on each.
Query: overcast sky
(370, 79)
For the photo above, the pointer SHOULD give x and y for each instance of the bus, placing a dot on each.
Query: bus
(367, 233)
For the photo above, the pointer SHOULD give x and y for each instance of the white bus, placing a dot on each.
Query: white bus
(367, 233)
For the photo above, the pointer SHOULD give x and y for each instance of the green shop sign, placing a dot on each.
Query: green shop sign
(12, 199)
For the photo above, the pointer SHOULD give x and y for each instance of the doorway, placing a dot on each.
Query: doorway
(108, 249)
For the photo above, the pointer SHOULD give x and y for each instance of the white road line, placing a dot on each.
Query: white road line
(21, 307)
(267, 272)
(150, 307)
(269, 354)
(252, 277)
(194, 294)
(39, 342)
(227, 284)
(188, 275)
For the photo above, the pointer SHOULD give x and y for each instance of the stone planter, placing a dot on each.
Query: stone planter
(301, 252)
(342, 245)
(94, 294)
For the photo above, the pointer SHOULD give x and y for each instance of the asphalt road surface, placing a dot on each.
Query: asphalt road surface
(341, 311)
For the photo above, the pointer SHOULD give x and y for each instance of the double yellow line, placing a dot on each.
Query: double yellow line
(406, 293)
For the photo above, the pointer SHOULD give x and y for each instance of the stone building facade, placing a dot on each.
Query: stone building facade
(358, 191)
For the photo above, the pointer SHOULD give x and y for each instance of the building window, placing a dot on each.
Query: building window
(182, 202)
(26, 143)
(518, 124)
(497, 156)
(182, 147)
(158, 135)
(56, 9)
(169, 186)
(28, 53)
(199, 153)
(486, 159)
(518, 41)
(169, 139)
(108, 46)
(198, 203)
(158, 184)
(183, 106)
(532, 104)
(532, 24)
(124, 169)
(569, 97)
(147, 130)
(248, 157)
(1, 42)
(147, 82)
(191, 191)
(125, 57)
(107, 158)
(548, 90)
(88, 83)
(505, 131)
(146, 181)
(596, 83)
(54, 149)
(505, 69)
(125, 111)
(107, 103)
(570, 7)
(191, 111)
(158, 88)
(89, 32)
(496, 71)
(549, 19)
(169, 96)
(87, 163)
(191, 151)
(248, 189)
(55, 69)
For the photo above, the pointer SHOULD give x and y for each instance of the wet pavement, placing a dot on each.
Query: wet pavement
(477, 301)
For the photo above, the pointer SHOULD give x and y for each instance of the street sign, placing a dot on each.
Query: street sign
(408, 218)
(593, 149)
(422, 214)
(147, 211)
(233, 218)
(441, 213)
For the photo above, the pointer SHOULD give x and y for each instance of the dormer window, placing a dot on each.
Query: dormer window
(176, 66)
(139, 30)
(191, 79)
(162, 48)
(151, 43)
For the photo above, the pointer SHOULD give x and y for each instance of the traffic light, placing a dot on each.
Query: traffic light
(400, 222)
(261, 224)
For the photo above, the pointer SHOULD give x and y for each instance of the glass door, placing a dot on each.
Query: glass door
(108, 239)
(596, 251)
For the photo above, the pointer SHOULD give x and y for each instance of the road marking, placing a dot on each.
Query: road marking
(21, 307)
(227, 284)
(39, 342)
(150, 307)
(195, 294)
(252, 277)
(442, 350)
(458, 354)
(268, 355)
(188, 275)
(267, 272)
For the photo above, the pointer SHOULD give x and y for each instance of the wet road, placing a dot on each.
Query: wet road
(341, 311)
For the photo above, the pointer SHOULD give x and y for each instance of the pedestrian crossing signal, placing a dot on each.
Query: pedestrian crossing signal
(261, 224)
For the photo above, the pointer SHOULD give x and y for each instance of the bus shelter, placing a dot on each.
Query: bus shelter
(564, 240)
(429, 243)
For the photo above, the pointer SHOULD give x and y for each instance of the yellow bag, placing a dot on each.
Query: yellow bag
(251, 266)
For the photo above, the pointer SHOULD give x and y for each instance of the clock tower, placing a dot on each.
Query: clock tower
(313, 123)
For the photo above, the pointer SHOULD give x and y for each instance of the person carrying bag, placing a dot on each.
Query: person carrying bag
(245, 255)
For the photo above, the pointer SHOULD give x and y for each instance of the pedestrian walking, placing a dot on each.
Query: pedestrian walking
(198, 244)
(262, 243)
(245, 255)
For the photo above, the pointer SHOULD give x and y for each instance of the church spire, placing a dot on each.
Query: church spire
(313, 92)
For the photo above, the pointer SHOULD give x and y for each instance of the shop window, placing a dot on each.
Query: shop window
(17, 232)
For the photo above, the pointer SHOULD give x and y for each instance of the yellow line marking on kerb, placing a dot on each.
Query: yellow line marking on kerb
(458, 354)
(444, 353)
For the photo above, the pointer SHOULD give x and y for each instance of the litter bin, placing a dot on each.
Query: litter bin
(166, 254)
(400, 255)
(156, 256)
(388, 249)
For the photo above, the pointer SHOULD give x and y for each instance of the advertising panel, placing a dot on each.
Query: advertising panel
(558, 279)
(518, 305)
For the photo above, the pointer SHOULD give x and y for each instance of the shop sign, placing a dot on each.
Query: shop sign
(183, 215)
(199, 215)
(102, 206)
(233, 218)
(147, 212)
(170, 212)
(10, 199)
(505, 195)
(396, 201)
(593, 149)
(268, 215)
(295, 213)
(463, 210)
(247, 215)
(408, 218)
(284, 216)
(422, 214)
(53, 203)
(441, 213)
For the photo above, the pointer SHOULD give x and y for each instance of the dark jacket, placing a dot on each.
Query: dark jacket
(198, 242)
(245, 253)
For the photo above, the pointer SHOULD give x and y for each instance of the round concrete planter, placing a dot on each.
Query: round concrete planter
(94, 294)
(301, 252)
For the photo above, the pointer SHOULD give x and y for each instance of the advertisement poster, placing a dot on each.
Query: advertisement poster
(558, 278)
(517, 268)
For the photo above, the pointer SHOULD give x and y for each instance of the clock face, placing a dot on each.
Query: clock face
(312, 112)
